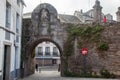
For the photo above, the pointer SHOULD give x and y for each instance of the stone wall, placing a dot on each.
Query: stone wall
(118, 14)
(111, 61)
(97, 60)
(45, 26)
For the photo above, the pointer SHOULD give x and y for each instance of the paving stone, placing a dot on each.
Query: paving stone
(55, 75)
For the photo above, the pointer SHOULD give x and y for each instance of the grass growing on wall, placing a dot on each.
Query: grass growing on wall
(88, 34)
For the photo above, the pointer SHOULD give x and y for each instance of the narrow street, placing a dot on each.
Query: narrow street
(55, 75)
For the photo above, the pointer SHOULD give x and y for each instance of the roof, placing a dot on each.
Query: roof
(68, 18)
(63, 18)
(89, 13)
(27, 15)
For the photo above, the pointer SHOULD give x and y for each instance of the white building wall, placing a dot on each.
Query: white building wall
(44, 45)
(2, 23)
(50, 57)
(2, 12)
(14, 10)
(1, 54)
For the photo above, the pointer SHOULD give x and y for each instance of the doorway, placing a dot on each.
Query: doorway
(16, 61)
(6, 64)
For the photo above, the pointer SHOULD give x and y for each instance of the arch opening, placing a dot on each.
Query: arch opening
(47, 58)
(54, 62)
(35, 43)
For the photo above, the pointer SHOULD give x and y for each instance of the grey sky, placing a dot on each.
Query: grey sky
(69, 6)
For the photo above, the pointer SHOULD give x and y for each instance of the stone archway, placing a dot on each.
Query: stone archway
(29, 61)
(43, 26)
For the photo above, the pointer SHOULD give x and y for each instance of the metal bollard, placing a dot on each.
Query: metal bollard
(39, 69)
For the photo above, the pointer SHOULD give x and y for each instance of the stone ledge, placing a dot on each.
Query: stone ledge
(7, 30)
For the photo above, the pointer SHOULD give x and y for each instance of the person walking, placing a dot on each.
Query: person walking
(36, 67)
(59, 68)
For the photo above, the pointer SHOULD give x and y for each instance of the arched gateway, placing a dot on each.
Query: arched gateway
(43, 26)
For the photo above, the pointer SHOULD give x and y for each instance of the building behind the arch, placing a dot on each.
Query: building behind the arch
(47, 54)
(118, 15)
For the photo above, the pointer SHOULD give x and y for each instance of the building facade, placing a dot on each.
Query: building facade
(47, 54)
(97, 9)
(118, 14)
(94, 15)
(10, 38)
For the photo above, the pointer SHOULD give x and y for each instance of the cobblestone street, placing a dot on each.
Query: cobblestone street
(54, 75)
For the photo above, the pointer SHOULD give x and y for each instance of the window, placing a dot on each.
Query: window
(18, 2)
(7, 35)
(55, 52)
(17, 38)
(8, 15)
(17, 23)
(54, 49)
(47, 51)
(40, 51)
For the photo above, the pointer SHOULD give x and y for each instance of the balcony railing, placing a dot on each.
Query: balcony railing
(40, 54)
(47, 54)
(55, 54)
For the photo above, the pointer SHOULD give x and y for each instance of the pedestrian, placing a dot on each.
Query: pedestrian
(36, 67)
(59, 68)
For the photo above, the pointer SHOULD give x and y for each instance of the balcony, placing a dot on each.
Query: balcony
(55, 54)
(39, 54)
(47, 54)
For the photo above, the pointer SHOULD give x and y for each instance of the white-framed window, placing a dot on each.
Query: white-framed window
(17, 23)
(40, 51)
(55, 51)
(47, 50)
(17, 38)
(8, 15)
(18, 2)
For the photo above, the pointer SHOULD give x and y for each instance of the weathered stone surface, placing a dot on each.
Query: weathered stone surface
(118, 14)
(45, 26)
(68, 18)
(97, 12)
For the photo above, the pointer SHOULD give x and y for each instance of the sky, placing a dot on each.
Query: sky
(69, 6)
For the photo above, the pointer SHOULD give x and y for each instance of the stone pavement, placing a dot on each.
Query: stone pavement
(55, 75)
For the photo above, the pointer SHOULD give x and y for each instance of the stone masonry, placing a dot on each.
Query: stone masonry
(44, 25)
(97, 12)
(118, 15)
